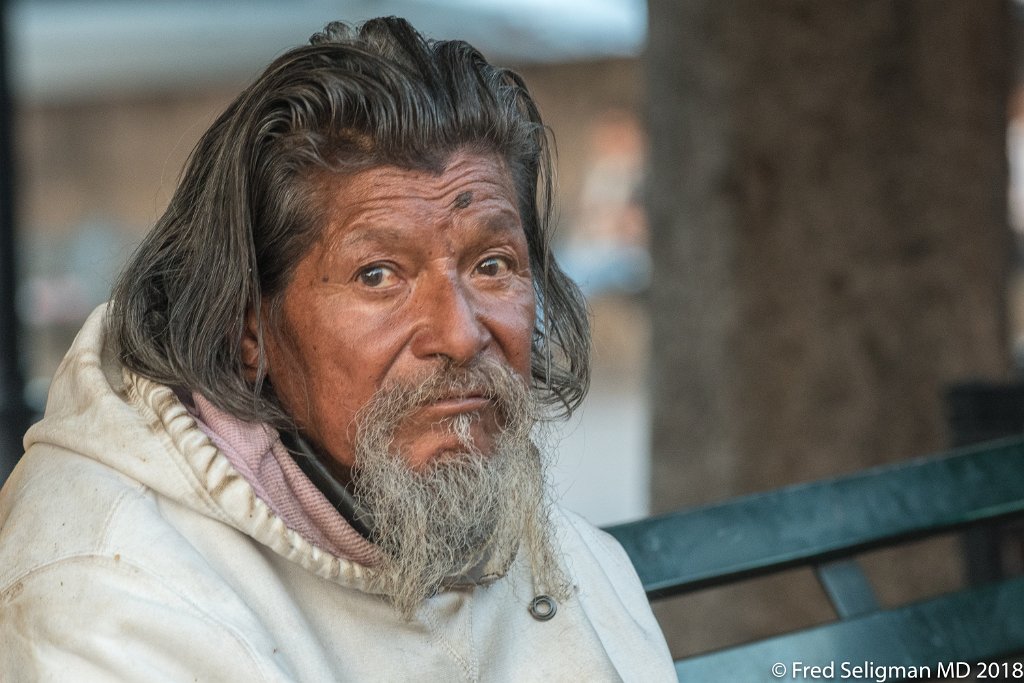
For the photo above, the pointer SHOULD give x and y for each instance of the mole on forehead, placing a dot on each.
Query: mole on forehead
(463, 200)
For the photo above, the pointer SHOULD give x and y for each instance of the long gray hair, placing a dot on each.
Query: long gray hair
(245, 211)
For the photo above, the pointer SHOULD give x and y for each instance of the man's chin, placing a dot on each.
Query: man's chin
(422, 450)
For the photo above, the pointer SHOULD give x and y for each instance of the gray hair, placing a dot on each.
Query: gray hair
(246, 210)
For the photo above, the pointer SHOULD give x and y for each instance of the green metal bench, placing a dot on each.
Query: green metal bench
(823, 525)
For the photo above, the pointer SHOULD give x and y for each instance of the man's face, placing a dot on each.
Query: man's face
(413, 270)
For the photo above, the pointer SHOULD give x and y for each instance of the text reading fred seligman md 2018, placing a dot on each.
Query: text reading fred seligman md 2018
(880, 673)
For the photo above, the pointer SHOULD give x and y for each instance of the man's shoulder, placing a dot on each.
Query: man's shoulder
(93, 570)
(582, 540)
(59, 505)
(610, 593)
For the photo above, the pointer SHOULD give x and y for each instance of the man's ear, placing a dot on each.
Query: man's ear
(251, 345)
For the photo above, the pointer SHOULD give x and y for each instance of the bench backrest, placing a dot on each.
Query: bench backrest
(823, 525)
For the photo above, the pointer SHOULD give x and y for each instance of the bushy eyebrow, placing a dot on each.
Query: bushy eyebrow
(376, 234)
(381, 233)
(500, 223)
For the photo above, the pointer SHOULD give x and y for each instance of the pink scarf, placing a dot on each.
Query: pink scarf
(256, 451)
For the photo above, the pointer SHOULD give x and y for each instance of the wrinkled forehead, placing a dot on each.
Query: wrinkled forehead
(467, 182)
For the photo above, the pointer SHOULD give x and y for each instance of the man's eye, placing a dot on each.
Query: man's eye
(494, 266)
(377, 276)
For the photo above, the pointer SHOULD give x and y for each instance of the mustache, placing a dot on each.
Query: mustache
(488, 378)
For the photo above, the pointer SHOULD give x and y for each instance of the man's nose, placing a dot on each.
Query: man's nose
(449, 322)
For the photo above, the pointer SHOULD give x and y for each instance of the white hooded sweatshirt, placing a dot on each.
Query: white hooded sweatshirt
(131, 550)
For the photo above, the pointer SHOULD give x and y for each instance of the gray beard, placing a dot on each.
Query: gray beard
(438, 523)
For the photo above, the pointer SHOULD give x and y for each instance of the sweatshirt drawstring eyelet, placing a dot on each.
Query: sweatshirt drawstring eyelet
(543, 607)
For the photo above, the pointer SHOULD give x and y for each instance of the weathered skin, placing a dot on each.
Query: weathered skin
(413, 267)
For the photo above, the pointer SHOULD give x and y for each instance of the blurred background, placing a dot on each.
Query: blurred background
(798, 225)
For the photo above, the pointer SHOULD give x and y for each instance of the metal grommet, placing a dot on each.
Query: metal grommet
(543, 608)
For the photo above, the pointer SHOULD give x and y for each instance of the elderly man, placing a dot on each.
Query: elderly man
(296, 445)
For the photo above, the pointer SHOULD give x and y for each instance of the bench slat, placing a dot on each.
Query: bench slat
(976, 624)
(823, 521)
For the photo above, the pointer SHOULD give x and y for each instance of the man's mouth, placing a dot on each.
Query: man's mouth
(456, 404)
